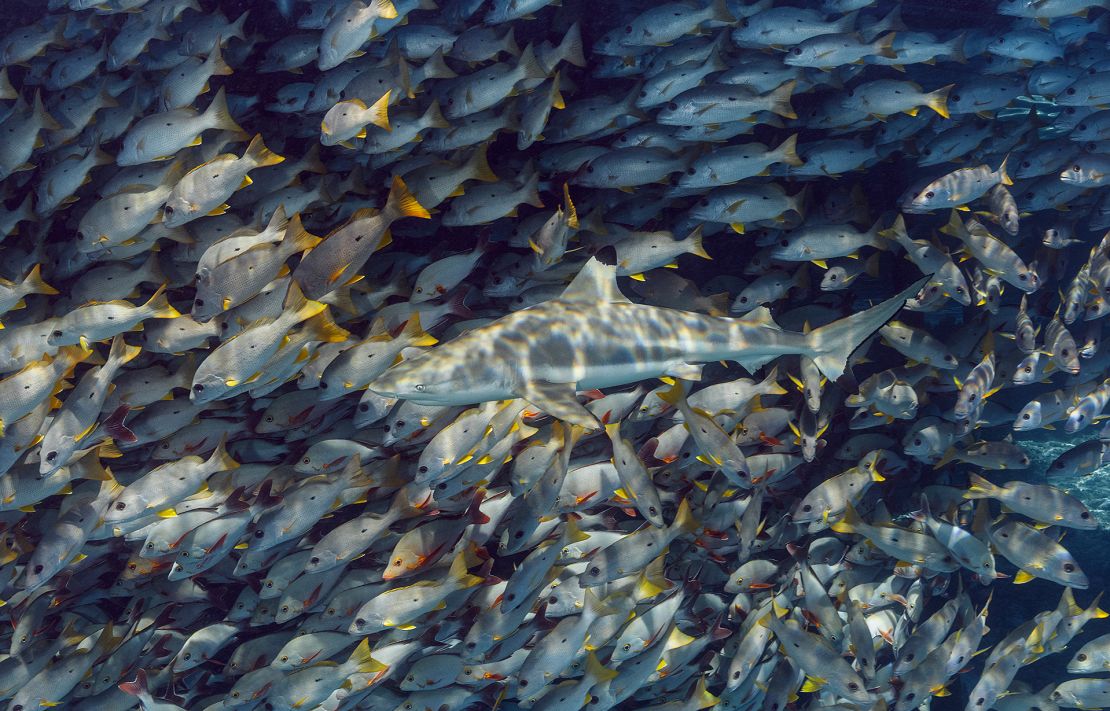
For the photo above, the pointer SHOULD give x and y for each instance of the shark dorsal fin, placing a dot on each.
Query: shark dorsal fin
(596, 282)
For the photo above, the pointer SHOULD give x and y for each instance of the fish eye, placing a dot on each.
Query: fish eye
(1069, 568)
(198, 388)
(259, 533)
(672, 106)
(120, 506)
(797, 51)
(930, 195)
(1070, 91)
(51, 456)
(1085, 515)
(1081, 657)
(1075, 168)
(595, 570)
(187, 656)
(364, 407)
(423, 470)
(169, 209)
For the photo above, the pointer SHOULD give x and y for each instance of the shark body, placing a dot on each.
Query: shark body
(591, 336)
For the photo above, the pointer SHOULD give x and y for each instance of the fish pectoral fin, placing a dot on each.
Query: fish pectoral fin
(558, 400)
(813, 683)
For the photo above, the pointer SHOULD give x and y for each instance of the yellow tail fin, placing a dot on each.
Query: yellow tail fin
(404, 201)
(260, 155)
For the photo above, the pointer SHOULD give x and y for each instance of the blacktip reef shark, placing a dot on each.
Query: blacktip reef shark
(591, 336)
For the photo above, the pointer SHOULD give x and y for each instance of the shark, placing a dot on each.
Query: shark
(592, 336)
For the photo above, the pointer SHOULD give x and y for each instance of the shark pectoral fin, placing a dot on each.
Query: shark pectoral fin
(685, 371)
(558, 400)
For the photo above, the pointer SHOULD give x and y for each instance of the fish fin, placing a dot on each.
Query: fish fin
(405, 201)
(260, 155)
(1022, 577)
(813, 683)
(558, 400)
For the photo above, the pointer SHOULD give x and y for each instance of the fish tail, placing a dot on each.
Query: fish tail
(35, 284)
(311, 162)
(219, 115)
(478, 165)
(849, 522)
(979, 488)
(121, 353)
(529, 66)
(221, 459)
(403, 201)
(720, 12)
(39, 110)
(159, 305)
(115, 427)
(215, 61)
(595, 607)
(433, 117)
(260, 155)
(138, 687)
(435, 67)
(780, 100)
(297, 306)
(957, 54)
(674, 395)
(1003, 177)
(788, 151)
(595, 670)
(938, 100)
(684, 519)
(871, 266)
(832, 345)
(302, 239)
(508, 43)
(379, 111)
(770, 384)
(362, 659)
(695, 240)
(458, 575)
(153, 269)
(884, 46)
(571, 46)
(385, 9)
(322, 328)
(531, 192)
(415, 334)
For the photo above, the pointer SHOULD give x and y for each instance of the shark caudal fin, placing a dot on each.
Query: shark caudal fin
(833, 344)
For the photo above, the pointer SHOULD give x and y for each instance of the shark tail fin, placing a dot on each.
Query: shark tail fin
(833, 344)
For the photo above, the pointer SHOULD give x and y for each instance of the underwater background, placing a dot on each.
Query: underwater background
(322, 387)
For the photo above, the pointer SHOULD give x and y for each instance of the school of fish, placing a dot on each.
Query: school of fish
(430, 355)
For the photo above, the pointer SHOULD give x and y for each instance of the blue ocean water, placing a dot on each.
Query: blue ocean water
(854, 169)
